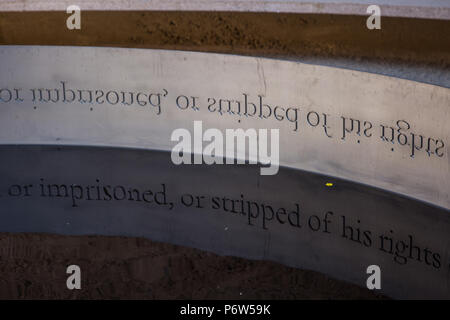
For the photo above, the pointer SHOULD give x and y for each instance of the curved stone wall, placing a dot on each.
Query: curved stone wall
(359, 153)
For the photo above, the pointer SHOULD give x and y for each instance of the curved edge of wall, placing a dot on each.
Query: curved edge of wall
(432, 9)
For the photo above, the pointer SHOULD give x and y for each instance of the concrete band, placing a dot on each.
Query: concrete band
(436, 9)
(385, 132)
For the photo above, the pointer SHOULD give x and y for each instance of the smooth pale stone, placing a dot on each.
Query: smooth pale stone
(325, 90)
(431, 9)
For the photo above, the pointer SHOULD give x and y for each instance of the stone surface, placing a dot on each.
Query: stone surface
(431, 9)
(318, 102)
(340, 230)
